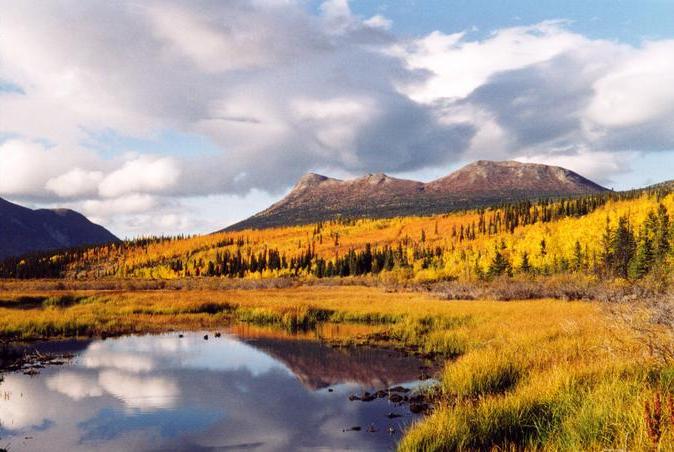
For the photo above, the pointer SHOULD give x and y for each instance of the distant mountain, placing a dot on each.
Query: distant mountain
(23, 230)
(316, 198)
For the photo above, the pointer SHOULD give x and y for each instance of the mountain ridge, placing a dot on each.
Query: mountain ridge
(316, 197)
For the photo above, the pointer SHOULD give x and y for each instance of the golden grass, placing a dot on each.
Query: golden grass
(539, 374)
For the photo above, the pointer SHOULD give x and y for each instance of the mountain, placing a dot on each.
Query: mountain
(23, 230)
(316, 197)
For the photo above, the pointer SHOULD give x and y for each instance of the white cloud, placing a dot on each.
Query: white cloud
(145, 174)
(638, 89)
(98, 356)
(27, 166)
(280, 91)
(336, 10)
(598, 166)
(74, 385)
(75, 183)
(136, 392)
(459, 65)
(379, 21)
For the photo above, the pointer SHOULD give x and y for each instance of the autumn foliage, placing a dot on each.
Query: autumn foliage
(623, 235)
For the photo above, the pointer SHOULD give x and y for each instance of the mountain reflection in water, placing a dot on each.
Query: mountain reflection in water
(162, 392)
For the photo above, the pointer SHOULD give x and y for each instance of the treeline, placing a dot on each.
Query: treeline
(625, 252)
(55, 264)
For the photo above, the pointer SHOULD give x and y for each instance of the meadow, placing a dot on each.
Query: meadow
(536, 374)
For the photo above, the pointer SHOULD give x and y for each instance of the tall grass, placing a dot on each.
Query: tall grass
(539, 374)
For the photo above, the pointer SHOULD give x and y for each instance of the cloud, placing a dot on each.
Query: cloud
(75, 183)
(543, 93)
(145, 174)
(144, 393)
(638, 89)
(77, 386)
(26, 167)
(596, 165)
(459, 65)
(379, 21)
(279, 90)
(98, 356)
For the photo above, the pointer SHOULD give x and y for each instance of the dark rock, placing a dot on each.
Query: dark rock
(367, 397)
(398, 389)
(395, 398)
(417, 408)
(206, 337)
(218, 334)
(353, 397)
(393, 415)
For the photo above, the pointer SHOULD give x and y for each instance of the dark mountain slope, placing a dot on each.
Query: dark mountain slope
(23, 230)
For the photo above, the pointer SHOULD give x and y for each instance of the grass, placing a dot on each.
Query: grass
(537, 374)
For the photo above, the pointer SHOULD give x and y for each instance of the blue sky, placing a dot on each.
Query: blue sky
(627, 21)
(185, 116)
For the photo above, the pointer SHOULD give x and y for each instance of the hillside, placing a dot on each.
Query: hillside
(319, 198)
(23, 230)
(581, 234)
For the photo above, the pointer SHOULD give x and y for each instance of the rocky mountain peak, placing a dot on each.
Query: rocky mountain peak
(376, 195)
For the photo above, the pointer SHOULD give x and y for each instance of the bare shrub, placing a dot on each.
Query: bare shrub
(651, 323)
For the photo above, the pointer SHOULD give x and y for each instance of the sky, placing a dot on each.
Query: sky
(184, 116)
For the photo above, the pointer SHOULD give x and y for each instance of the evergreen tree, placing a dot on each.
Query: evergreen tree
(645, 257)
(606, 240)
(662, 245)
(577, 257)
(499, 265)
(525, 267)
(623, 248)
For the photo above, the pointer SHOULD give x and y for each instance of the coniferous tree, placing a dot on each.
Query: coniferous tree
(525, 266)
(606, 256)
(623, 247)
(644, 258)
(662, 245)
(577, 257)
(499, 265)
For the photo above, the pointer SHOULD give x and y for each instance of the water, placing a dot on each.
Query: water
(247, 390)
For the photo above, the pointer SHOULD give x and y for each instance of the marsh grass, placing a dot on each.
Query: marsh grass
(538, 374)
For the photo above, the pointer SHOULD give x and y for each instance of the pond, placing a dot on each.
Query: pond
(249, 389)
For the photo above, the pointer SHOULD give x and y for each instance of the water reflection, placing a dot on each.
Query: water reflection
(258, 392)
